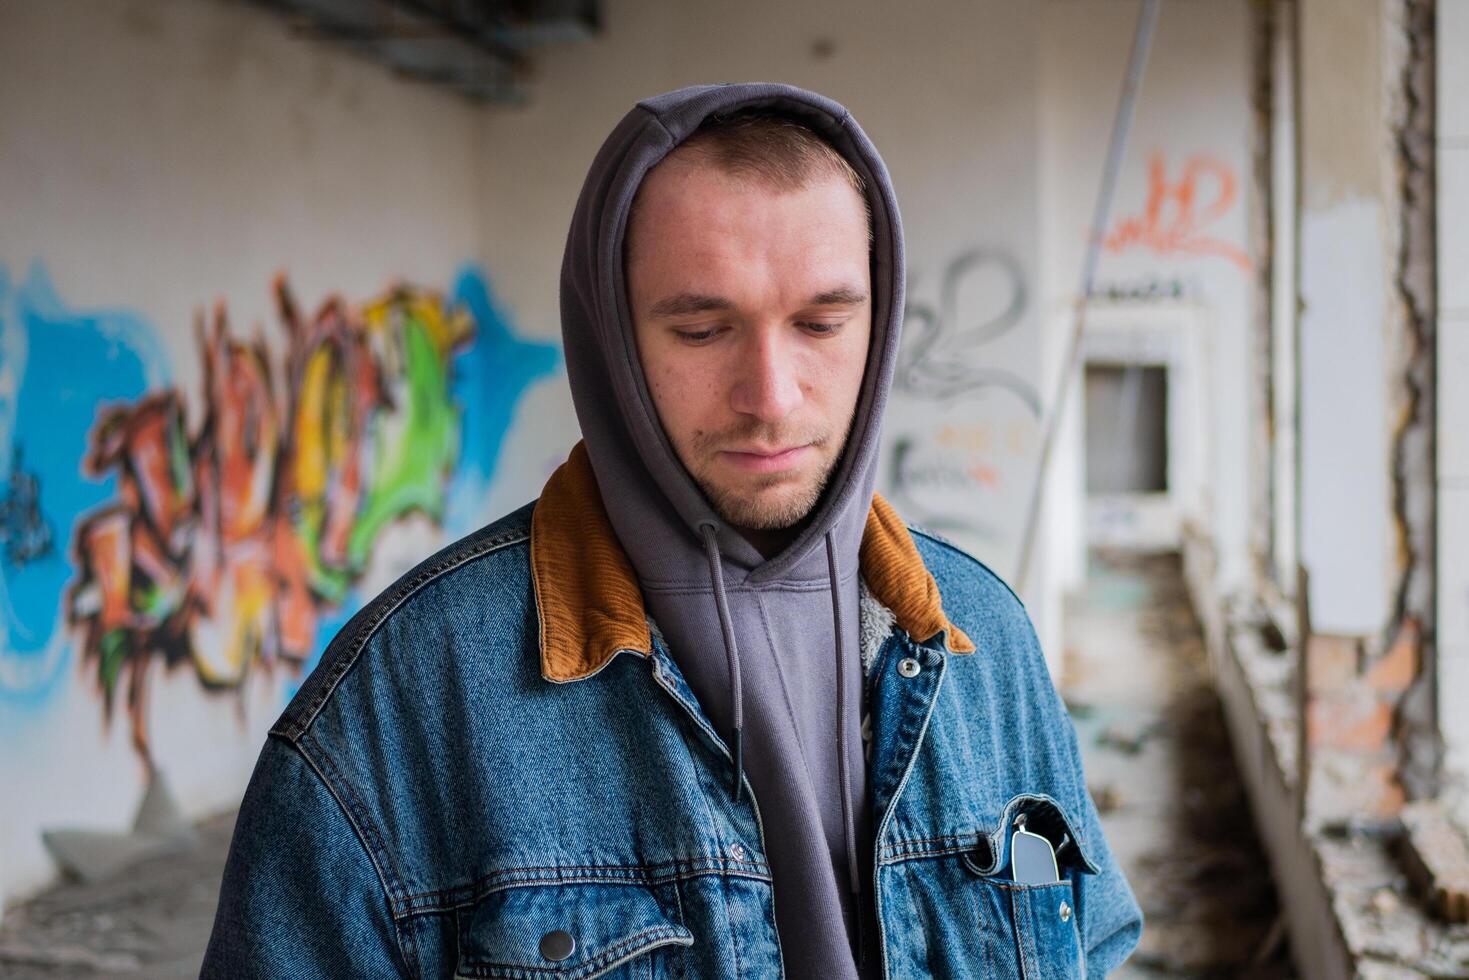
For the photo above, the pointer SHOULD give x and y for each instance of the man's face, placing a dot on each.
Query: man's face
(752, 312)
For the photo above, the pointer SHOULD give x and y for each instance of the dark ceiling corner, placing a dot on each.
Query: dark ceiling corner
(478, 48)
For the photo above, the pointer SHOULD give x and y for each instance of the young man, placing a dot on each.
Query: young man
(707, 708)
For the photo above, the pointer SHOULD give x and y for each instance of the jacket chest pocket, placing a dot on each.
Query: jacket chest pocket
(1029, 931)
(575, 930)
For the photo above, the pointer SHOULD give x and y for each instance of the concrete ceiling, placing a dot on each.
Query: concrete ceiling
(481, 49)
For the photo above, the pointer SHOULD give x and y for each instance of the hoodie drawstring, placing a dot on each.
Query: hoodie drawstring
(731, 652)
(843, 767)
(709, 531)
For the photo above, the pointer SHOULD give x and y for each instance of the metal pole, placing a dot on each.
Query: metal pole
(1142, 41)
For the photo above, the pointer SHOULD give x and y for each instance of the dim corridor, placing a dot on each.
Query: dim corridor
(1159, 764)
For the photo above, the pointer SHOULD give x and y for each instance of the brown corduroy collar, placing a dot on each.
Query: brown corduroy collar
(590, 606)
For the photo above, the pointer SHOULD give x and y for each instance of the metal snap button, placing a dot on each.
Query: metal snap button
(737, 851)
(557, 945)
(909, 667)
(1065, 912)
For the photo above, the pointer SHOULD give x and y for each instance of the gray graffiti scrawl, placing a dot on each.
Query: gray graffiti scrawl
(941, 354)
(908, 478)
(948, 357)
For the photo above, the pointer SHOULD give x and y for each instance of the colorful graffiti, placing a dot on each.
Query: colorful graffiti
(234, 542)
(1175, 217)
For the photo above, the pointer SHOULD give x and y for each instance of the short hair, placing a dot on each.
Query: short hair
(775, 149)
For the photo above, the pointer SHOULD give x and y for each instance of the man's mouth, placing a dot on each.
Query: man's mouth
(760, 459)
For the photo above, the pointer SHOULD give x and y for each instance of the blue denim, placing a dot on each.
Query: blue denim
(430, 806)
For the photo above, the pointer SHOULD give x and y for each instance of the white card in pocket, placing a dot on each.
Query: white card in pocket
(1032, 858)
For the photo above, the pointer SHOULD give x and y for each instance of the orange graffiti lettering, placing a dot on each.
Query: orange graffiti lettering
(1173, 221)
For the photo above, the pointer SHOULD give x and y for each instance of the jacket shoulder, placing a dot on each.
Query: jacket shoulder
(965, 583)
(413, 609)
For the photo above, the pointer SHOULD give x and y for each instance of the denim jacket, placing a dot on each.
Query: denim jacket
(497, 770)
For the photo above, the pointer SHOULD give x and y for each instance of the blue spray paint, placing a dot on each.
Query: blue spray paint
(58, 366)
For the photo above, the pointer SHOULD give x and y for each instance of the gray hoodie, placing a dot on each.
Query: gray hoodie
(769, 647)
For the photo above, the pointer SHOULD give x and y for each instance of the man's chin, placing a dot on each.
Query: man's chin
(769, 509)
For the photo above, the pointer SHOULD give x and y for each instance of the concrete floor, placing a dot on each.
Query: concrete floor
(150, 921)
(1157, 759)
(1159, 764)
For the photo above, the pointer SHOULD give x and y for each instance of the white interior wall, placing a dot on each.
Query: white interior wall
(1193, 120)
(1344, 283)
(157, 157)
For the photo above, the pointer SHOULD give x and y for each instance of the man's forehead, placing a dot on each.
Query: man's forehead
(695, 263)
(690, 179)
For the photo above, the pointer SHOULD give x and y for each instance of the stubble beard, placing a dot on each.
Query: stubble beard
(747, 507)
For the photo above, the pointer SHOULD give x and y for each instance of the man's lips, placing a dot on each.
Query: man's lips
(764, 460)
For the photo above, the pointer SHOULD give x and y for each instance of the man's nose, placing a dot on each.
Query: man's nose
(768, 384)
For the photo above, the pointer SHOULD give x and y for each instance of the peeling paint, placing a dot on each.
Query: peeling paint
(1411, 345)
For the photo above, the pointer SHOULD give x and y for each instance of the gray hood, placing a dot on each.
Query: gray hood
(769, 647)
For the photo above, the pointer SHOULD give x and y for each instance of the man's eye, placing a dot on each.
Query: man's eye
(821, 329)
(699, 336)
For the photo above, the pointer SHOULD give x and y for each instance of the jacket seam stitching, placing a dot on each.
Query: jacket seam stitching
(642, 874)
(353, 818)
(729, 918)
(709, 811)
(602, 959)
(341, 665)
(940, 839)
(984, 941)
(473, 894)
(953, 845)
(1022, 926)
(371, 839)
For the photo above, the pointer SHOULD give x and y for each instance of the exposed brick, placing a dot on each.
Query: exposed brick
(1394, 671)
(1358, 722)
(1331, 662)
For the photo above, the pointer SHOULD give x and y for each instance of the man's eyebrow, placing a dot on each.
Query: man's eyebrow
(687, 304)
(840, 296)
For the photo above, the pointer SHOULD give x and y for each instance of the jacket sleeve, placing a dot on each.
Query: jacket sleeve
(301, 896)
(1107, 911)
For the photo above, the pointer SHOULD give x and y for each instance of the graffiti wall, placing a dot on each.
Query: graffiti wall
(254, 364)
(152, 528)
(242, 385)
(225, 531)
